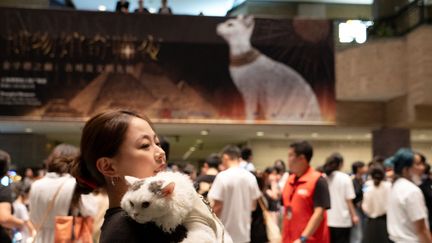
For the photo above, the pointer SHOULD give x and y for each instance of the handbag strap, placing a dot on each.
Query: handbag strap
(49, 208)
(262, 205)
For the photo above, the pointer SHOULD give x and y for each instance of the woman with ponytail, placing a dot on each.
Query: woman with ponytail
(115, 144)
(341, 215)
(54, 194)
(407, 214)
(375, 202)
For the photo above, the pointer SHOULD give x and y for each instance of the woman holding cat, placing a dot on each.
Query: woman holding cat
(115, 144)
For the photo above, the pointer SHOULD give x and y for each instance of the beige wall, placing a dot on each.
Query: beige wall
(424, 148)
(287, 9)
(267, 151)
(375, 71)
(396, 71)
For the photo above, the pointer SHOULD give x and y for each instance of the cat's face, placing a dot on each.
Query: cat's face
(147, 199)
(236, 28)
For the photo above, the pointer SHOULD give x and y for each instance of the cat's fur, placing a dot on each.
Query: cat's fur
(271, 90)
(169, 199)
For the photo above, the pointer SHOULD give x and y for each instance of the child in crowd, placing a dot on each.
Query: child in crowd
(21, 212)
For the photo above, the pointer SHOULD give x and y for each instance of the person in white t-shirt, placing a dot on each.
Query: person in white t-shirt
(341, 215)
(60, 185)
(280, 167)
(246, 160)
(234, 195)
(407, 216)
(20, 211)
(376, 194)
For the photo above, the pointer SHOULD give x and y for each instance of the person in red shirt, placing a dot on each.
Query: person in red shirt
(306, 198)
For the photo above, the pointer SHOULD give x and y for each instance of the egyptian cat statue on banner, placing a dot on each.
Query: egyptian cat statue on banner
(169, 199)
(271, 90)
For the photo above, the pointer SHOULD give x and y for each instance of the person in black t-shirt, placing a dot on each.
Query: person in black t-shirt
(426, 186)
(359, 169)
(7, 220)
(141, 8)
(209, 171)
(115, 144)
(164, 9)
(122, 6)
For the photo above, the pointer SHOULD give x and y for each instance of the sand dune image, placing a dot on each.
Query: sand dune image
(151, 93)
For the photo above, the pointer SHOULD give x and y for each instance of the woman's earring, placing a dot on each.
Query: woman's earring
(112, 181)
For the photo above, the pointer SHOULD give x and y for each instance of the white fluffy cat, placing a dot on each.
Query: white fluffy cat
(169, 199)
(270, 89)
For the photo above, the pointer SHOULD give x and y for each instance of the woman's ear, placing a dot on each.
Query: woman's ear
(105, 166)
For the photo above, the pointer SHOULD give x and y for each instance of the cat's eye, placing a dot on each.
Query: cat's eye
(145, 204)
(131, 203)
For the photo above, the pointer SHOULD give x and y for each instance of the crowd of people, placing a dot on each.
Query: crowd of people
(122, 6)
(386, 200)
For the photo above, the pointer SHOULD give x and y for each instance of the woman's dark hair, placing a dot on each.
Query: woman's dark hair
(378, 159)
(60, 159)
(21, 189)
(356, 166)
(269, 170)
(377, 173)
(262, 178)
(333, 163)
(188, 169)
(246, 153)
(4, 162)
(280, 166)
(213, 161)
(427, 169)
(422, 157)
(102, 136)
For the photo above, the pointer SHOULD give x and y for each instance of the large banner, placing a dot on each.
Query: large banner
(71, 64)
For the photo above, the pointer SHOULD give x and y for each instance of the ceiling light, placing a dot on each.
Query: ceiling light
(260, 134)
(204, 132)
(102, 8)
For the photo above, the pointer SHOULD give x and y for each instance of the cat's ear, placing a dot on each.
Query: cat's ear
(249, 21)
(168, 189)
(130, 180)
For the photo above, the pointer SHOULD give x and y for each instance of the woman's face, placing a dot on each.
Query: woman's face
(140, 155)
(418, 168)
